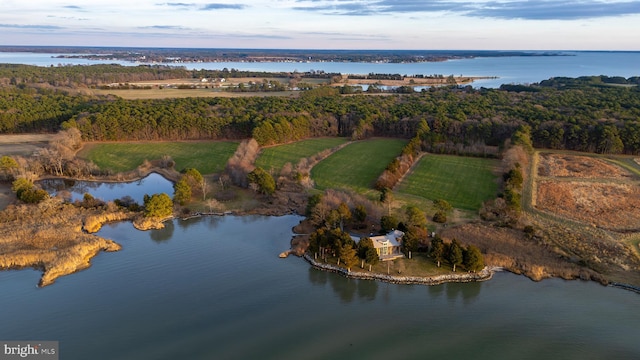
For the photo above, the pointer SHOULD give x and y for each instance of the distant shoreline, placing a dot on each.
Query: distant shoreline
(169, 56)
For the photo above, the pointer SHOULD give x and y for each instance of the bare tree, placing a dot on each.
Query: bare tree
(214, 204)
(242, 162)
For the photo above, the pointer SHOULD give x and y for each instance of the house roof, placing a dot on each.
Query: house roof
(390, 239)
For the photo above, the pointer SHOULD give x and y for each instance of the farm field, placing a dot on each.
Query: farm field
(168, 89)
(135, 94)
(357, 165)
(208, 157)
(23, 144)
(465, 182)
(274, 157)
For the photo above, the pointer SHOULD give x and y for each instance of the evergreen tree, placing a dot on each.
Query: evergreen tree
(437, 249)
(263, 181)
(360, 213)
(182, 191)
(344, 214)
(158, 205)
(454, 254)
(388, 223)
(348, 256)
(416, 217)
(472, 258)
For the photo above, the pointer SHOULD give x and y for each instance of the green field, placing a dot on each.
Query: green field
(207, 157)
(465, 182)
(357, 165)
(276, 156)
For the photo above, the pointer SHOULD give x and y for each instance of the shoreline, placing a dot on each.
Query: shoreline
(483, 275)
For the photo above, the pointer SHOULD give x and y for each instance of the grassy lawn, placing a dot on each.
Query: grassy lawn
(465, 182)
(207, 157)
(357, 165)
(419, 265)
(276, 156)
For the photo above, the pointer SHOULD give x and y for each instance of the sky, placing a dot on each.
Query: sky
(325, 24)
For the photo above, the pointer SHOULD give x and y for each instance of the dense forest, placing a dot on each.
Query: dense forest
(593, 114)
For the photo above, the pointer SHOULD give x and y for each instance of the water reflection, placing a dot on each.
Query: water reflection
(367, 289)
(163, 235)
(109, 191)
(348, 289)
(467, 292)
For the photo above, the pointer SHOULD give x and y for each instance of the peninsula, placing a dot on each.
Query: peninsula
(453, 167)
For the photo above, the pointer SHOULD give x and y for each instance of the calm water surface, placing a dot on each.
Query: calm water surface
(75, 190)
(509, 70)
(214, 288)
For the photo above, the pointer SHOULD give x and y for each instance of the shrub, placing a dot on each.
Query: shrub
(440, 217)
(158, 205)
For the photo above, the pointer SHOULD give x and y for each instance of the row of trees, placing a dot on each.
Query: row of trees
(399, 166)
(469, 257)
(585, 117)
(84, 75)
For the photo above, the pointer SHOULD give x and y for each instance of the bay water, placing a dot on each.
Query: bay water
(507, 69)
(215, 288)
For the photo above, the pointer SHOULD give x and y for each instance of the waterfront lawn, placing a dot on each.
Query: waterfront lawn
(274, 157)
(357, 165)
(419, 265)
(465, 182)
(208, 157)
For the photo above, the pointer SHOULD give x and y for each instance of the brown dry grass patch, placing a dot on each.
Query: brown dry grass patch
(49, 236)
(512, 250)
(607, 205)
(562, 165)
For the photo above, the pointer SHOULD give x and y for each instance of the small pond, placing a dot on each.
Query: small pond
(108, 191)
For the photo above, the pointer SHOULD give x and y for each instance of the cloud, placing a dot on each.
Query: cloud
(219, 6)
(518, 9)
(164, 27)
(72, 7)
(178, 4)
(255, 36)
(332, 35)
(340, 7)
(37, 27)
(556, 10)
(67, 18)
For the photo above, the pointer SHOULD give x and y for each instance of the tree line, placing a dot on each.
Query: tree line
(603, 119)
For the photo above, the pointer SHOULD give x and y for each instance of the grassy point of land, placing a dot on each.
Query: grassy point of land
(465, 182)
(419, 265)
(208, 157)
(357, 165)
(274, 157)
